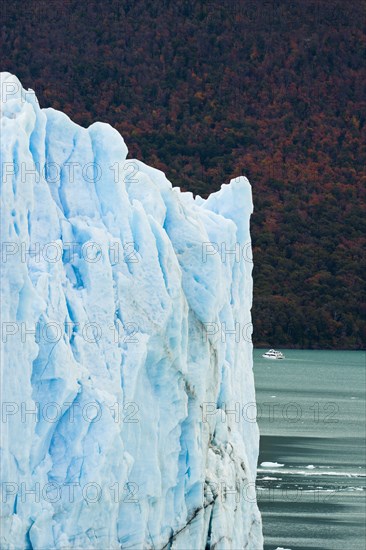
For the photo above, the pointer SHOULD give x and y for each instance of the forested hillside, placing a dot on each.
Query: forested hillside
(206, 91)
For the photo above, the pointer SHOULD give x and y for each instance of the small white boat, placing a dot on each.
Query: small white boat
(273, 354)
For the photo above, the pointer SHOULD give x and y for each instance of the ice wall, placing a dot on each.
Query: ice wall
(126, 325)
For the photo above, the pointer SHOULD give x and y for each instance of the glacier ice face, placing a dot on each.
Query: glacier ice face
(127, 418)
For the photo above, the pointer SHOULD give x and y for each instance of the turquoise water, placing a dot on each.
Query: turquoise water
(311, 414)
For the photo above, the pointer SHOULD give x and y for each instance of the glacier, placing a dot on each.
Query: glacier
(126, 359)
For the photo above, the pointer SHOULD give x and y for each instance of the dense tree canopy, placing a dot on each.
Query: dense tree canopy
(208, 90)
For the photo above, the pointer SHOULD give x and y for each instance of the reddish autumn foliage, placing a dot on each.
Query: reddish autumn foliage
(208, 90)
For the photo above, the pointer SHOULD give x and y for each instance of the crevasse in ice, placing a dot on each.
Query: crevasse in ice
(127, 385)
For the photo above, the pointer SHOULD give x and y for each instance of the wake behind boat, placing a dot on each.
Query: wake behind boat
(273, 354)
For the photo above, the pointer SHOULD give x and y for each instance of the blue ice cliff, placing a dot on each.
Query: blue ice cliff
(128, 404)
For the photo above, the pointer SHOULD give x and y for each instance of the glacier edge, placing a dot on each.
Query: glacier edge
(126, 420)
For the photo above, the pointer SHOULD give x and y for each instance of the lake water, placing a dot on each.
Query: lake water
(311, 414)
